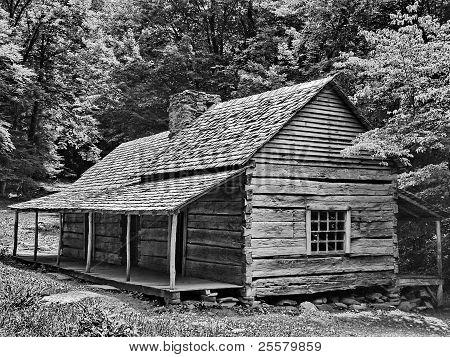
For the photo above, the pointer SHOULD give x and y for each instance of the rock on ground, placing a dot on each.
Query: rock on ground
(308, 306)
(72, 296)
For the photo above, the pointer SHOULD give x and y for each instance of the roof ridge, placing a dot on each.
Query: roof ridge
(270, 93)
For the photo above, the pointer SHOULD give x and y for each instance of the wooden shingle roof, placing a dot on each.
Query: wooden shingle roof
(155, 197)
(124, 165)
(222, 138)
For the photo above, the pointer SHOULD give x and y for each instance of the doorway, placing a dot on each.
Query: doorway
(180, 243)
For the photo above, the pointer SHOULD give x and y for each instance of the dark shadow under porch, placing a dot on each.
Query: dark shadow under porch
(142, 280)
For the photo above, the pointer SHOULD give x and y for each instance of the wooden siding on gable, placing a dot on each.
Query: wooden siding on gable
(301, 167)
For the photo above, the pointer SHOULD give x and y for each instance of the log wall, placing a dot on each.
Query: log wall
(214, 235)
(107, 238)
(74, 235)
(152, 244)
(302, 166)
(108, 245)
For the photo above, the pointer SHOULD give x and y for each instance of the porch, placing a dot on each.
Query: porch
(412, 211)
(142, 280)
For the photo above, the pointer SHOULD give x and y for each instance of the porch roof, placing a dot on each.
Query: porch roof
(412, 207)
(155, 197)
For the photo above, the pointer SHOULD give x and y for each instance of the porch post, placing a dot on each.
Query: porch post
(90, 234)
(440, 292)
(172, 246)
(16, 232)
(128, 246)
(61, 234)
(36, 235)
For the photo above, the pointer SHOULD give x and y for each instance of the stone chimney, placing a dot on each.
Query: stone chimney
(186, 106)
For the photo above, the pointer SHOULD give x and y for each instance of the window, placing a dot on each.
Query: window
(328, 230)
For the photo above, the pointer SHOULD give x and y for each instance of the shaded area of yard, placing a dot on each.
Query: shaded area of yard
(48, 231)
(23, 313)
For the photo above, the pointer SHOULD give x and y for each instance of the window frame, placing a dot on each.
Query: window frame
(347, 225)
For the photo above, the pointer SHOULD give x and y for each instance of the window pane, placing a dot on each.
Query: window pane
(328, 231)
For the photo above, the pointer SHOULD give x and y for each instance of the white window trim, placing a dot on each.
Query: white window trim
(348, 227)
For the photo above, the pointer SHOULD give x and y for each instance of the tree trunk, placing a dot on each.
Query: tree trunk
(32, 129)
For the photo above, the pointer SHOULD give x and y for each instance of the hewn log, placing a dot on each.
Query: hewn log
(322, 171)
(74, 227)
(73, 252)
(108, 257)
(320, 266)
(274, 229)
(154, 248)
(220, 255)
(218, 208)
(111, 229)
(149, 261)
(226, 273)
(154, 234)
(295, 187)
(73, 218)
(373, 246)
(222, 222)
(321, 283)
(215, 238)
(155, 222)
(107, 218)
(277, 247)
(300, 201)
(272, 215)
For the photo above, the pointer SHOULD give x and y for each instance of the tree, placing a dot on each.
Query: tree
(404, 87)
(62, 43)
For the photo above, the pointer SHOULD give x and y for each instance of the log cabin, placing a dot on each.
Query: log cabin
(253, 194)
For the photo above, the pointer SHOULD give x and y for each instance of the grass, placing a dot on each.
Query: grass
(48, 229)
(22, 313)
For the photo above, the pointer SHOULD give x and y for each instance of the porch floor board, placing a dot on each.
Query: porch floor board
(142, 280)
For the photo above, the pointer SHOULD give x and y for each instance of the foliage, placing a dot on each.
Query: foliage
(404, 88)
